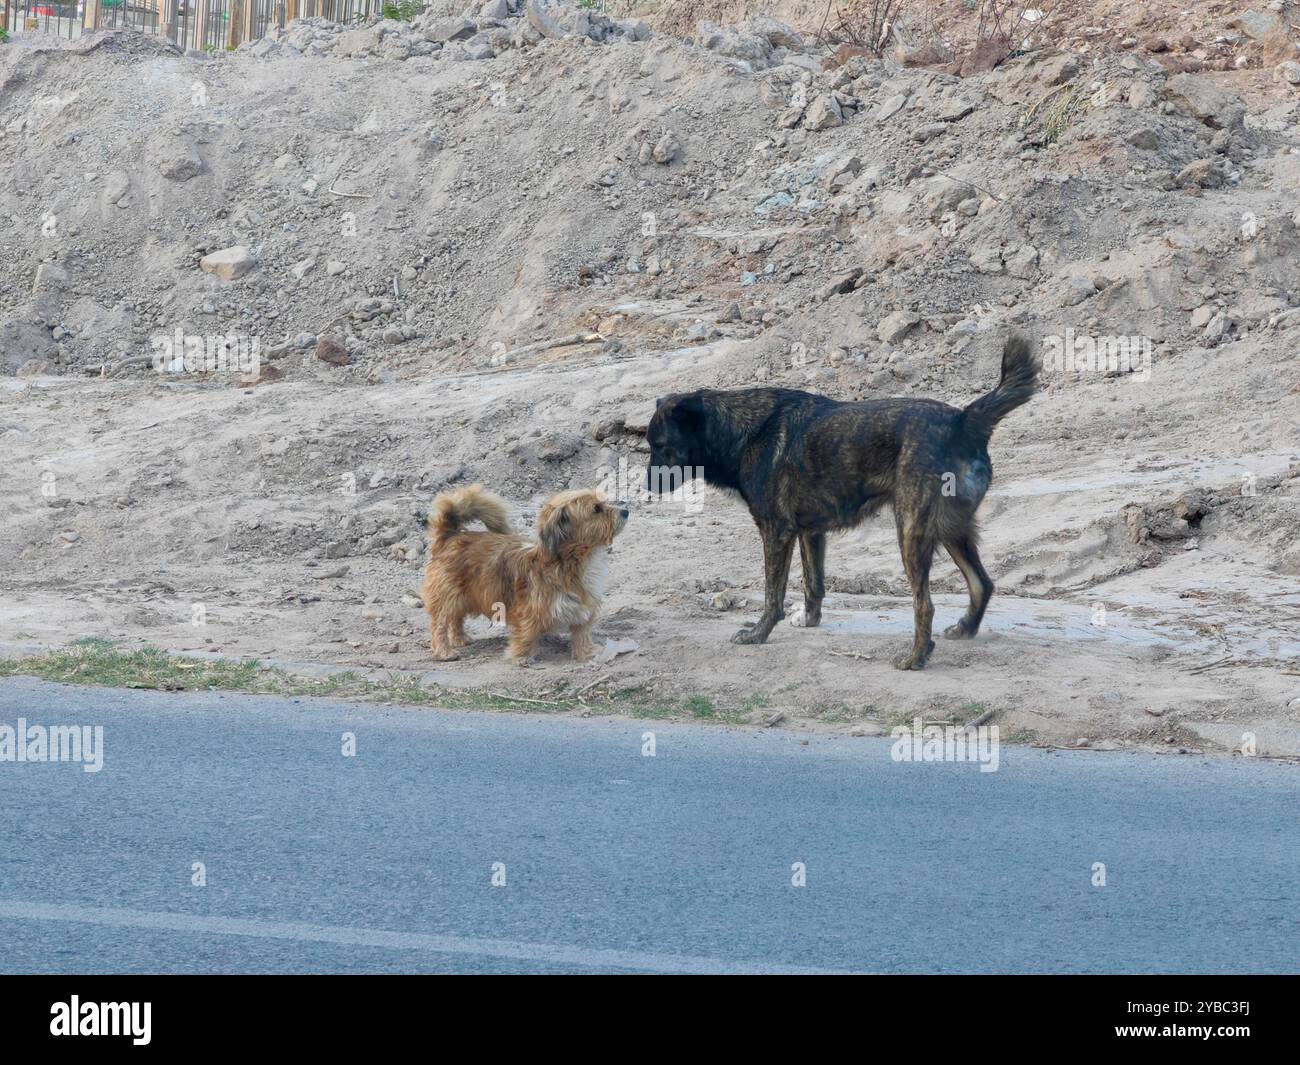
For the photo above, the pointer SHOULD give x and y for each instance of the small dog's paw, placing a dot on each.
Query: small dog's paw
(958, 632)
(446, 656)
(584, 656)
(750, 634)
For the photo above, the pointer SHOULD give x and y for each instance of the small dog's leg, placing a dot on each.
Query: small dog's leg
(442, 649)
(580, 642)
(978, 582)
(456, 633)
(918, 552)
(523, 638)
(812, 553)
(777, 551)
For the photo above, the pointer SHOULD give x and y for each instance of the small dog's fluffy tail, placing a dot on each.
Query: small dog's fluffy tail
(452, 511)
(1019, 382)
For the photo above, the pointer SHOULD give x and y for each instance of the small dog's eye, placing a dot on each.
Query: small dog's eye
(598, 508)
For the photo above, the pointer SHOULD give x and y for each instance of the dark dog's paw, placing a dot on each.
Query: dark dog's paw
(751, 634)
(960, 631)
(914, 659)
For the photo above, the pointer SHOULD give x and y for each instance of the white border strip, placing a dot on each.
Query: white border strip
(540, 953)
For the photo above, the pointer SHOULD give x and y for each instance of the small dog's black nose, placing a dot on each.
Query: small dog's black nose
(623, 514)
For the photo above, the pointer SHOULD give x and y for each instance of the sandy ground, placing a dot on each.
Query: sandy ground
(1141, 528)
(1193, 652)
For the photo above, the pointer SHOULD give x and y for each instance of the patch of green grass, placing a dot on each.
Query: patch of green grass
(699, 707)
(100, 662)
(901, 718)
(1023, 736)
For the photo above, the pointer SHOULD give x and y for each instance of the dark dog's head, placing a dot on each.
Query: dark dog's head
(676, 435)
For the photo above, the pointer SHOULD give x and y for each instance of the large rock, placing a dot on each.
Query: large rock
(777, 33)
(751, 48)
(541, 20)
(228, 263)
(22, 340)
(894, 327)
(987, 54)
(1201, 99)
(357, 43)
(1278, 47)
(1256, 24)
(823, 113)
(452, 29)
(1022, 262)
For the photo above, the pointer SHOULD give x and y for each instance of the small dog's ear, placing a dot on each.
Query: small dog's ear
(553, 528)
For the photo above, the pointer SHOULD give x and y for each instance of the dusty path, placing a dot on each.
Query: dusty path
(225, 502)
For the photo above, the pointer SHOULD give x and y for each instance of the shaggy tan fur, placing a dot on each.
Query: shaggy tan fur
(534, 589)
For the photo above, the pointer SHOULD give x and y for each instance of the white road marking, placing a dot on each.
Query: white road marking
(540, 953)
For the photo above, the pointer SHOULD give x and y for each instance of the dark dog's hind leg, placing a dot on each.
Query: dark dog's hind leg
(777, 551)
(812, 553)
(977, 580)
(918, 552)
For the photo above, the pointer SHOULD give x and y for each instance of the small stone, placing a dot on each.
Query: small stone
(1288, 72)
(666, 149)
(228, 263)
(332, 351)
(925, 134)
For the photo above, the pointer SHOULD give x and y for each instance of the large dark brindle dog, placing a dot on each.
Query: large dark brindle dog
(806, 466)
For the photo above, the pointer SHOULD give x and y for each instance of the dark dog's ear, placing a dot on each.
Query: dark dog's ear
(689, 412)
(554, 527)
(660, 402)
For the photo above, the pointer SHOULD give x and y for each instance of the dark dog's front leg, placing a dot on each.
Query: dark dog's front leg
(812, 553)
(777, 550)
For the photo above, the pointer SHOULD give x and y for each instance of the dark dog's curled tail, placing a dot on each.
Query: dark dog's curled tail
(452, 511)
(1019, 382)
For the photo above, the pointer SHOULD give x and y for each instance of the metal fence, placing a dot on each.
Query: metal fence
(205, 25)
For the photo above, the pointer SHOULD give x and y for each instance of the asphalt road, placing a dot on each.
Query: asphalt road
(614, 861)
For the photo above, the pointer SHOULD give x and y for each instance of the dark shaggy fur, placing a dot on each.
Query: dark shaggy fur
(806, 466)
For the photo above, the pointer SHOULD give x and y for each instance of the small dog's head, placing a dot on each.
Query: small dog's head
(578, 521)
(676, 438)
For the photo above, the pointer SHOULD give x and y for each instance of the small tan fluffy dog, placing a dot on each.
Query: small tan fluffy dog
(555, 584)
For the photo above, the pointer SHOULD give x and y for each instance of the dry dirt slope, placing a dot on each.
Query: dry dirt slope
(454, 212)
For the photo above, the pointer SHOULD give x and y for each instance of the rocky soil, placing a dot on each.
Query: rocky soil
(477, 246)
